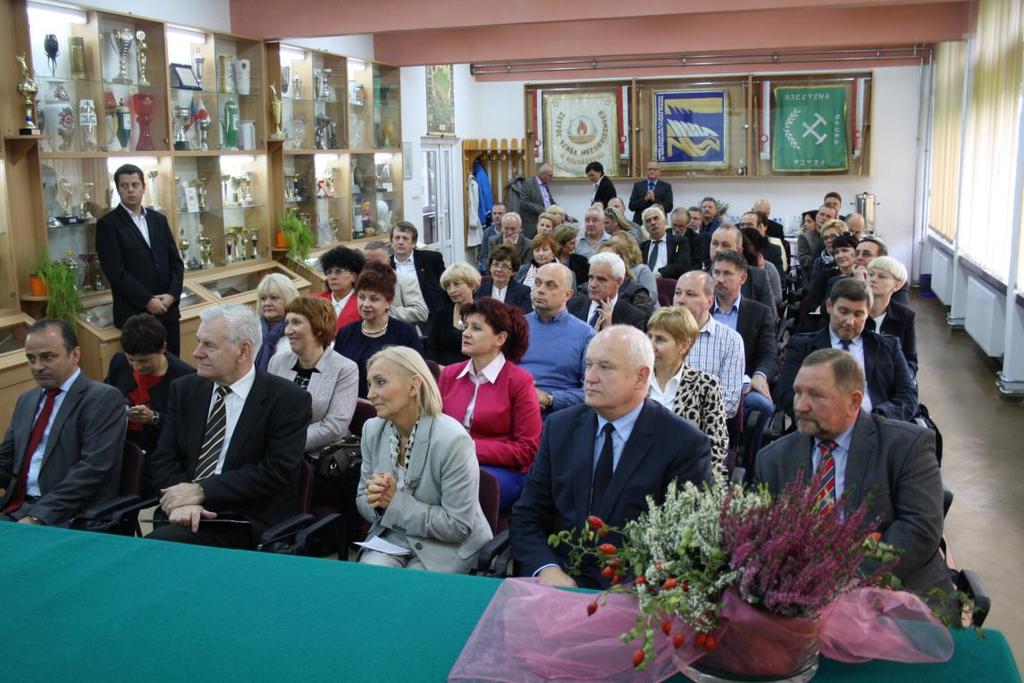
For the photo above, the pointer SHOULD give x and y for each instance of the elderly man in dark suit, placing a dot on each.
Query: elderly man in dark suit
(646, 193)
(62, 451)
(232, 441)
(666, 254)
(426, 266)
(603, 458)
(140, 258)
(863, 459)
(891, 387)
(511, 234)
(534, 198)
(602, 306)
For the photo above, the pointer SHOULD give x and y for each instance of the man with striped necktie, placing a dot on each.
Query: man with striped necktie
(232, 440)
(862, 459)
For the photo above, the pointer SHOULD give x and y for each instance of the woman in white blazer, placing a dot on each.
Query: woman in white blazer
(311, 362)
(420, 482)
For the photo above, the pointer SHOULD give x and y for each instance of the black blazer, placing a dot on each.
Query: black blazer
(580, 267)
(260, 477)
(679, 259)
(638, 202)
(429, 268)
(605, 191)
(624, 313)
(136, 271)
(756, 288)
(891, 385)
(756, 324)
(697, 249)
(662, 447)
(120, 376)
(773, 254)
(444, 343)
(775, 230)
(899, 322)
(517, 295)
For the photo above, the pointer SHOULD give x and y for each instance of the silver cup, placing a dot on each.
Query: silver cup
(122, 39)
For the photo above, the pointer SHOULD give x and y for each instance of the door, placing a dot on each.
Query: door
(442, 192)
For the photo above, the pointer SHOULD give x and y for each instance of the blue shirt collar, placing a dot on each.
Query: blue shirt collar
(843, 440)
(735, 306)
(623, 425)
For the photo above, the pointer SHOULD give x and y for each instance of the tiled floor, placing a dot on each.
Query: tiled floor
(982, 462)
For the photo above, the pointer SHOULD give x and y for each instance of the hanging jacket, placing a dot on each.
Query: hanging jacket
(473, 194)
(486, 198)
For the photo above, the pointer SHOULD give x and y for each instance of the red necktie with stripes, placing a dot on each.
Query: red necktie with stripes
(18, 497)
(825, 498)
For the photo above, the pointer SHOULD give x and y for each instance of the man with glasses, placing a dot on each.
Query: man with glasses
(686, 224)
(773, 250)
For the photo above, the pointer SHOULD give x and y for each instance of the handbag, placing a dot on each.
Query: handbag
(336, 470)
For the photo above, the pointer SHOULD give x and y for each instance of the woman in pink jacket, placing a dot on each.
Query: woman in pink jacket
(494, 399)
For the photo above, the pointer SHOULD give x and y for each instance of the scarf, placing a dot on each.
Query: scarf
(271, 335)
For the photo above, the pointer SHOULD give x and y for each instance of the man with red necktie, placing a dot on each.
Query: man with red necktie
(862, 459)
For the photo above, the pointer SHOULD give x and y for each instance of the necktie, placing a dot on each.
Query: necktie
(652, 258)
(594, 316)
(845, 344)
(650, 186)
(18, 497)
(214, 441)
(825, 498)
(603, 472)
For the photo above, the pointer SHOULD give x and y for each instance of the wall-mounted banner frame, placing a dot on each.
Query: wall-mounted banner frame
(691, 128)
(581, 127)
(810, 129)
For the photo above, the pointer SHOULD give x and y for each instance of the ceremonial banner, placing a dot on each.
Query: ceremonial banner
(691, 128)
(581, 127)
(440, 100)
(810, 128)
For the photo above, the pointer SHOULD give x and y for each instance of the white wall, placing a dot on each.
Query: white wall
(209, 14)
(359, 46)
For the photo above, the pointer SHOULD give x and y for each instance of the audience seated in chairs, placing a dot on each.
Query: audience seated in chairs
(828, 232)
(871, 247)
(558, 341)
(76, 423)
(543, 248)
(754, 245)
(625, 247)
(341, 267)
(143, 371)
(863, 458)
(686, 391)
(375, 290)
(603, 306)
(844, 264)
(419, 486)
(232, 442)
(444, 344)
(809, 244)
(891, 388)
(511, 235)
(503, 262)
(312, 364)
(578, 265)
(546, 223)
(493, 398)
(408, 305)
(424, 265)
(730, 238)
(604, 458)
(665, 253)
(615, 222)
(274, 292)
(718, 350)
(886, 276)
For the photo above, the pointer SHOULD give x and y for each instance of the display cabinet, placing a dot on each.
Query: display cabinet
(387, 110)
(376, 196)
(15, 375)
(238, 283)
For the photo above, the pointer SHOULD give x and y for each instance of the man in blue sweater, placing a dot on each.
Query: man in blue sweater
(558, 341)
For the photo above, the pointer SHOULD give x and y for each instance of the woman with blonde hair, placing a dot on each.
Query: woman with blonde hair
(547, 222)
(273, 294)
(419, 486)
(444, 344)
(626, 247)
(615, 222)
(886, 276)
(687, 391)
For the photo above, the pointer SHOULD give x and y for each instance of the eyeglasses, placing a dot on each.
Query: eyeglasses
(337, 271)
(501, 266)
(746, 225)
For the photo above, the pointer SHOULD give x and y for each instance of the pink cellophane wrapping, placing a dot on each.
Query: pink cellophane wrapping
(533, 632)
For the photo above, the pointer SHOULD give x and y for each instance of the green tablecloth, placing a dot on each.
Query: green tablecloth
(88, 607)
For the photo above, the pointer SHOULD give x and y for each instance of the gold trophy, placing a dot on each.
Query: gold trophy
(78, 58)
(275, 109)
(28, 89)
(141, 56)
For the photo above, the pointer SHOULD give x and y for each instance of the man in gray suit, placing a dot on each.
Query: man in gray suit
(62, 451)
(534, 198)
(512, 235)
(863, 459)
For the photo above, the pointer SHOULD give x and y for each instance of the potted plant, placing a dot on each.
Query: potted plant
(36, 285)
(298, 236)
(60, 281)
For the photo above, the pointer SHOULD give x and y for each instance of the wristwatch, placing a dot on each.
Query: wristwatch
(156, 418)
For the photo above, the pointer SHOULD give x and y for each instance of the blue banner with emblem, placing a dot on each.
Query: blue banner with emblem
(691, 128)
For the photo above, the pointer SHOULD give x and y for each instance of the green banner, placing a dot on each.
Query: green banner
(810, 128)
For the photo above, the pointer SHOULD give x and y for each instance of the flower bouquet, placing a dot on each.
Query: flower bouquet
(720, 583)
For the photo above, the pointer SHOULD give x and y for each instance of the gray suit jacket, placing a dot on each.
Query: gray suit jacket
(892, 466)
(82, 462)
(333, 388)
(531, 205)
(439, 508)
(522, 245)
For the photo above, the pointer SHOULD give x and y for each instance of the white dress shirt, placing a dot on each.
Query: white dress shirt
(499, 292)
(36, 464)
(407, 267)
(666, 398)
(234, 401)
(339, 304)
(595, 304)
(489, 375)
(857, 351)
(140, 222)
(661, 259)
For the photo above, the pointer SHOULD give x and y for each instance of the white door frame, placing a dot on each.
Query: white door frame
(451, 242)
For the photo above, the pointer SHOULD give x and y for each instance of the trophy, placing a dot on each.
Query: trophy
(73, 264)
(205, 248)
(121, 39)
(151, 189)
(52, 48)
(85, 208)
(93, 278)
(275, 110)
(247, 187)
(236, 185)
(183, 245)
(88, 123)
(201, 191)
(286, 78)
(333, 224)
(141, 57)
(203, 122)
(124, 125)
(254, 238)
(144, 117)
(198, 62)
(182, 116)
(296, 87)
(66, 126)
(325, 85)
(226, 82)
(110, 120)
(78, 58)
(27, 89)
(64, 196)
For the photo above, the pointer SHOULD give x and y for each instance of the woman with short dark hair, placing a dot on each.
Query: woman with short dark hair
(341, 267)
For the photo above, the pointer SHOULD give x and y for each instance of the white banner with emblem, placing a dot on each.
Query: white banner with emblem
(580, 128)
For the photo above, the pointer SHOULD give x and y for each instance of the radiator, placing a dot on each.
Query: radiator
(942, 276)
(985, 318)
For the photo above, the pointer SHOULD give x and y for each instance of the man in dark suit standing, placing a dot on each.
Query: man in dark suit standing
(601, 307)
(62, 451)
(604, 189)
(891, 388)
(140, 258)
(603, 458)
(534, 198)
(647, 193)
(426, 266)
(666, 254)
(232, 440)
(863, 458)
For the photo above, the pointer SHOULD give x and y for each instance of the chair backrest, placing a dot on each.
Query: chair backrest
(363, 412)
(131, 470)
(490, 499)
(305, 486)
(666, 290)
